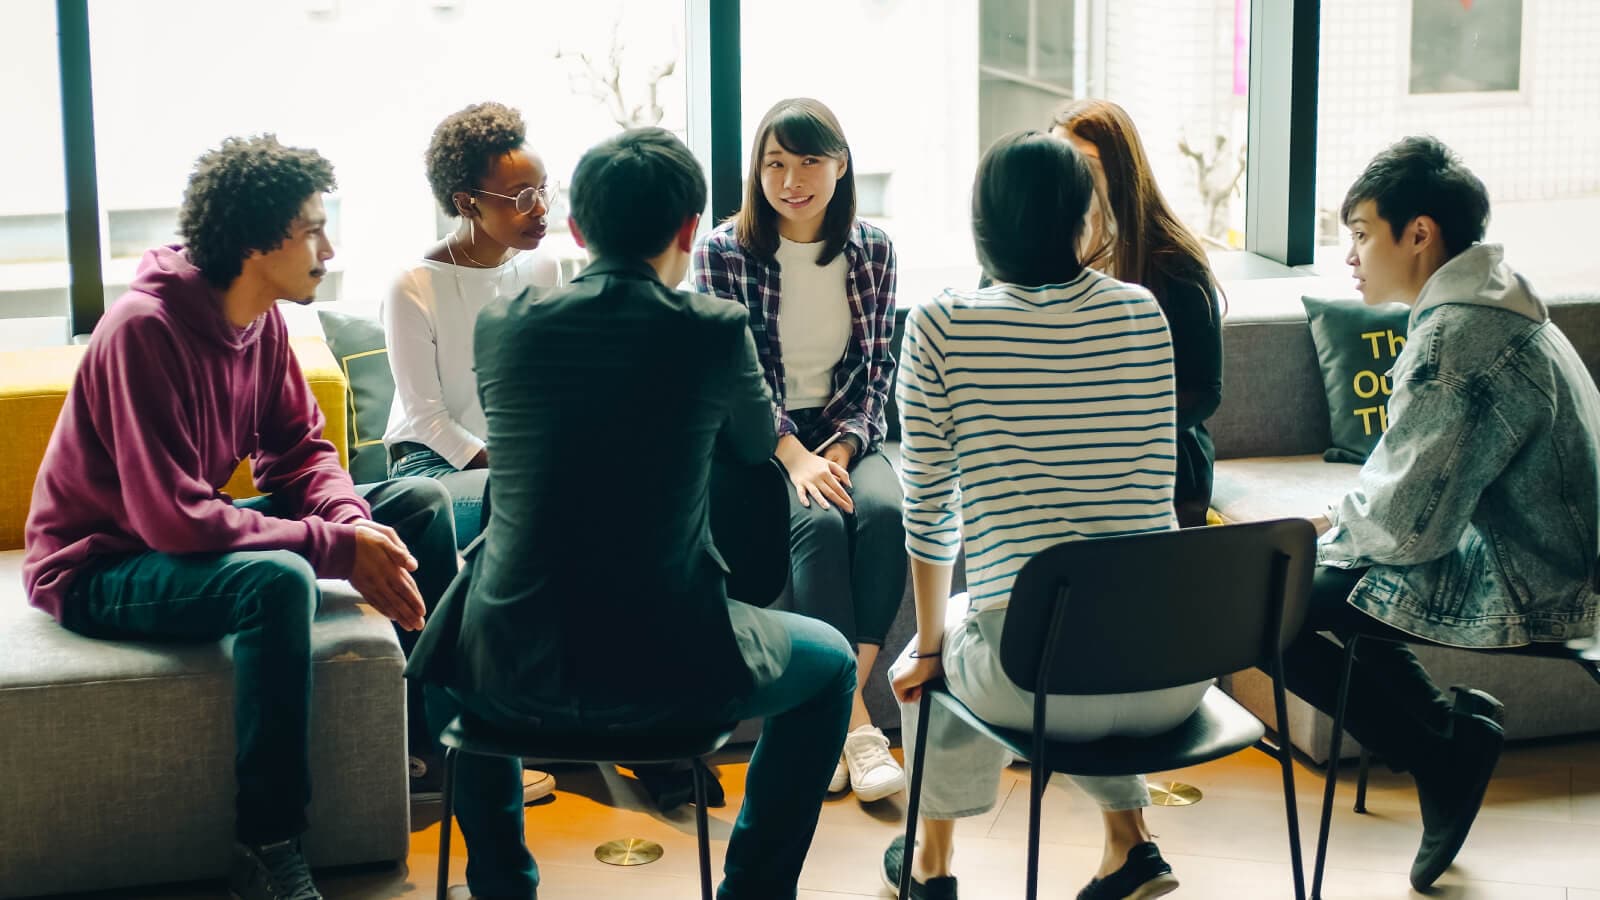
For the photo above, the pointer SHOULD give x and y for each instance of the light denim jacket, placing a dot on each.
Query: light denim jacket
(1479, 510)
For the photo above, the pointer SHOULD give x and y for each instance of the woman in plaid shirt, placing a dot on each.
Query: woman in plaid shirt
(807, 269)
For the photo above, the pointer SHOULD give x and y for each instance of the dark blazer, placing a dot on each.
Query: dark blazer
(1194, 317)
(596, 583)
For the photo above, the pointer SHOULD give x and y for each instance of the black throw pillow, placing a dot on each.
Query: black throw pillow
(1356, 347)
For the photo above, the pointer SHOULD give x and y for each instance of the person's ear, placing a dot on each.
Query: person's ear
(684, 239)
(465, 203)
(577, 233)
(1421, 233)
(844, 166)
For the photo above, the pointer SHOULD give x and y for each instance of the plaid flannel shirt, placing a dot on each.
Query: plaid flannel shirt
(861, 380)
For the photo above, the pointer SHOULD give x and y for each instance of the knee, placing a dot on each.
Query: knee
(418, 494)
(818, 527)
(281, 591)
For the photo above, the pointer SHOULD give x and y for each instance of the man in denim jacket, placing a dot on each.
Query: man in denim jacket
(1476, 521)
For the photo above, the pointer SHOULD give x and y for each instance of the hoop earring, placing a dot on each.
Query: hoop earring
(472, 232)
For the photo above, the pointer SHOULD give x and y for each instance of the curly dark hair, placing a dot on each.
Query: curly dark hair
(242, 197)
(464, 145)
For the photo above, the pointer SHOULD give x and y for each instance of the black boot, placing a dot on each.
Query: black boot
(1451, 785)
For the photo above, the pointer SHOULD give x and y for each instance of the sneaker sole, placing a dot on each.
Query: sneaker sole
(540, 789)
(1159, 886)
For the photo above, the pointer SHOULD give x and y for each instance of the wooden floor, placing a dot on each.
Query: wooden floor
(1538, 838)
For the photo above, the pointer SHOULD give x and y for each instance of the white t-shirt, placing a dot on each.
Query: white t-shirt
(428, 321)
(813, 322)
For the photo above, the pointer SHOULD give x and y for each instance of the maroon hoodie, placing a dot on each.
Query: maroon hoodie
(169, 398)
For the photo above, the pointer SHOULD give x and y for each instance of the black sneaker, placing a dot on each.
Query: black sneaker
(1144, 875)
(671, 785)
(1450, 790)
(894, 862)
(271, 872)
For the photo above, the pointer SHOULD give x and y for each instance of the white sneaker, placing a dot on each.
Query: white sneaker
(874, 774)
(841, 777)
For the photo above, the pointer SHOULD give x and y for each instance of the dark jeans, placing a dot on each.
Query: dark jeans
(466, 487)
(807, 709)
(266, 599)
(849, 569)
(1394, 709)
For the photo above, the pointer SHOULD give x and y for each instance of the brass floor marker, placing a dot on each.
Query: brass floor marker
(628, 852)
(1174, 793)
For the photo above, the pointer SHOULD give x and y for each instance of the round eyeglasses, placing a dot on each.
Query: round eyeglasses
(525, 199)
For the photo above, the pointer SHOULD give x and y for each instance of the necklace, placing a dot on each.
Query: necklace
(464, 252)
(455, 269)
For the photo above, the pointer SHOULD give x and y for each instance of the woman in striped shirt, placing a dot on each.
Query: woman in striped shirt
(1037, 410)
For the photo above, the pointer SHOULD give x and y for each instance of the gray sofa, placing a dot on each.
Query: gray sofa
(119, 756)
(1270, 433)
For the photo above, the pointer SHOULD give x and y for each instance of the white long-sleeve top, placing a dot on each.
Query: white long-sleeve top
(428, 321)
(1032, 416)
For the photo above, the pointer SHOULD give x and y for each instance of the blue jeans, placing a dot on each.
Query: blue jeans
(266, 599)
(807, 710)
(466, 487)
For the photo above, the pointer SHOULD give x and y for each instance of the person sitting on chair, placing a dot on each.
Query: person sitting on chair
(1036, 410)
(1476, 520)
(596, 599)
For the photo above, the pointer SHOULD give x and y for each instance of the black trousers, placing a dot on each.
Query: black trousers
(1395, 709)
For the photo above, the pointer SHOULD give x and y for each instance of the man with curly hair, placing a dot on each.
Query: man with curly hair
(129, 535)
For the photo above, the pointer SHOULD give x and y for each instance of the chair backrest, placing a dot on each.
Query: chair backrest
(750, 524)
(1149, 611)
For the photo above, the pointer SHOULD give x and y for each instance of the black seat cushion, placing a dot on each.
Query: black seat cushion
(473, 735)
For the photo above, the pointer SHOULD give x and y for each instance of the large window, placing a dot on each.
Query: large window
(33, 241)
(929, 85)
(1513, 86)
(364, 82)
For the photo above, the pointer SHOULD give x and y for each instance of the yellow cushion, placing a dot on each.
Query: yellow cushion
(34, 383)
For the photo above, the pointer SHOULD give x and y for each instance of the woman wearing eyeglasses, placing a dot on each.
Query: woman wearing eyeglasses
(484, 176)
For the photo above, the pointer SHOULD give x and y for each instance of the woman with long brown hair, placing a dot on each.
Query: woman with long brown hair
(1135, 237)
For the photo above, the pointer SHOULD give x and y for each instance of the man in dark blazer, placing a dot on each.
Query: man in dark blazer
(595, 597)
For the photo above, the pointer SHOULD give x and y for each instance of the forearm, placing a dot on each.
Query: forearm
(930, 585)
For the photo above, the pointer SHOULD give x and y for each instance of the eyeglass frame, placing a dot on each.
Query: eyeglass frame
(549, 193)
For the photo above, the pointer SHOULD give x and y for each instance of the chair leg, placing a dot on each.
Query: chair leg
(919, 759)
(446, 811)
(1325, 826)
(1290, 807)
(1361, 781)
(702, 829)
(1039, 779)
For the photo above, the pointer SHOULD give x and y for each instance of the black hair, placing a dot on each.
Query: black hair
(632, 192)
(243, 197)
(465, 144)
(1420, 176)
(1029, 202)
(804, 127)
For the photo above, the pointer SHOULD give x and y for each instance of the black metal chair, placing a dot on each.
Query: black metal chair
(1140, 613)
(1585, 654)
(750, 523)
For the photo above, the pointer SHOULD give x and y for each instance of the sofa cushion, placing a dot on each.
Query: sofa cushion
(1272, 398)
(1356, 347)
(358, 343)
(119, 755)
(1278, 487)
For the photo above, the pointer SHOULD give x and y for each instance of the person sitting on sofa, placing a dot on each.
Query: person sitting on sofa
(595, 598)
(1136, 237)
(129, 536)
(1478, 513)
(482, 173)
(1085, 448)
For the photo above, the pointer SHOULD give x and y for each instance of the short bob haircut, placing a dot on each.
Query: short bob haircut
(1420, 176)
(632, 192)
(243, 198)
(804, 127)
(465, 144)
(1030, 203)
